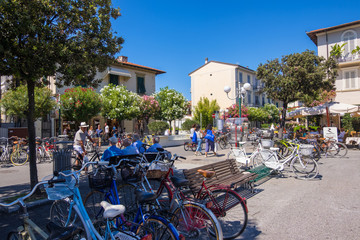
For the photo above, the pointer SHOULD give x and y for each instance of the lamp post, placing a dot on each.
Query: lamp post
(241, 92)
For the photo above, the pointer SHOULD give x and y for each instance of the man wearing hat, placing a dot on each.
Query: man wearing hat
(112, 150)
(79, 142)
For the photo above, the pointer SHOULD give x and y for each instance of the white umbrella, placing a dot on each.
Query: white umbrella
(334, 107)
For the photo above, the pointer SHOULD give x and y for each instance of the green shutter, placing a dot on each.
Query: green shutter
(114, 79)
(141, 85)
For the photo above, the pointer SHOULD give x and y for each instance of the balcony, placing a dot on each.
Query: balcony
(349, 60)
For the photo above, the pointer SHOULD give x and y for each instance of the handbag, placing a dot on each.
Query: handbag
(209, 136)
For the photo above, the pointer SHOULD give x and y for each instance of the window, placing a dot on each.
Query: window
(140, 86)
(349, 38)
(249, 98)
(114, 79)
(277, 105)
(249, 81)
(257, 100)
(240, 77)
(263, 101)
(349, 77)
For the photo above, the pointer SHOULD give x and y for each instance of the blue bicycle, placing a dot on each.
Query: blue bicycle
(146, 224)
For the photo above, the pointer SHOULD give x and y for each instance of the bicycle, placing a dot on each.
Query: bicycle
(332, 147)
(223, 140)
(195, 220)
(69, 210)
(44, 150)
(192, 146)
(28, 229)
(301, 161)
(78, 162)
(19, 155)
(5, 150)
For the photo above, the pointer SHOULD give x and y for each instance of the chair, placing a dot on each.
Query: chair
(353, 133)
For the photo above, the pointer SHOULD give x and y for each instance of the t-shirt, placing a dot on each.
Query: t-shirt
(106, 129)
(111, 152)
(80, 136)
(130, 150)
(154, 147)
(98, 132)
(138, 144)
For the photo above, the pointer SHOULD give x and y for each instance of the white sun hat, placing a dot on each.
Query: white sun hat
(83, 124)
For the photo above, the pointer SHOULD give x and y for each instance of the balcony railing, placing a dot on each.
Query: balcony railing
(349, 58)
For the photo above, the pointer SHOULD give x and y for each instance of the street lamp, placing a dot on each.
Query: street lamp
(241, 92)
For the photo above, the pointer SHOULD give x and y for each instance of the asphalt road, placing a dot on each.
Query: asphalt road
(282, 207)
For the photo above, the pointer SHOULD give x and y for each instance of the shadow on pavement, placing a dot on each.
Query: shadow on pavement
(251, 231)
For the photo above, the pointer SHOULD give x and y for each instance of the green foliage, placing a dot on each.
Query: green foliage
(119, 103)
(356, 50)
(273, 113)
(149, 107)
(158, 127)
(16, 102)
(337, 50)
(173, 104)
(265, 125)
(295, 76)
(347, 122)
(80, 104)
(257, 114)
(233, 111)
(205, 109)
(187, 124)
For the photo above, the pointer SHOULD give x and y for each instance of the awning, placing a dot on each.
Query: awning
(119, 72)
(334, 107)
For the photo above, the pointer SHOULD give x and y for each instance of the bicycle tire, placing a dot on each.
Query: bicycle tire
(232, 218)
(341, 150)
(19, 157)
(196, 222)
(161, 228)
(186, 146)
(92, 204)
(331, 149)
(221, 144)
(14, 235)
(59, 214)
(304, 167)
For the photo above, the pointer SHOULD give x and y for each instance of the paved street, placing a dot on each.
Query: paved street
(282, 208)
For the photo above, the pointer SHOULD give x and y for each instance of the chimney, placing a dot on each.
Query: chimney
(122, 59)
(206, 60)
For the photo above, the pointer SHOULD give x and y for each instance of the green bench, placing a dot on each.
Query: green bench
(261, 171)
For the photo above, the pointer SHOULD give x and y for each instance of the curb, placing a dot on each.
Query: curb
(16, 208)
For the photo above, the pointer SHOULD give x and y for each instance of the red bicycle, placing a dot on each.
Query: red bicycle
(226, 204)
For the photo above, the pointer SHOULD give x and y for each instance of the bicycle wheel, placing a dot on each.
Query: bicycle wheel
(193, 147)
(341, 150)
(332, 149)
(63, 214)
(186, 146)
(39, 157)
(127, 197)
(92, 204)
(196, 222)
(230, 210)
(304, 167)
(160, 228)
(19, 157)
(222, 144)
(14, 235)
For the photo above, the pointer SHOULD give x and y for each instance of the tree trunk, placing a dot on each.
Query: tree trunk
(31, 130)
(172, 129)
(283, 118)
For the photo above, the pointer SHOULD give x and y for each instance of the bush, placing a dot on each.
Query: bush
(187, 125)
(265, 125)
(158, 127)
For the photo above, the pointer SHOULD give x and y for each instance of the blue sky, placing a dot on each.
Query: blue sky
(177, 36)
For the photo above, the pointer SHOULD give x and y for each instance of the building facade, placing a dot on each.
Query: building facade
(210, 79)
(348, 80)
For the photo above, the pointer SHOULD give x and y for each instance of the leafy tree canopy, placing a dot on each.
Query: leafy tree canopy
(80, 104)
(149, 107)
(296, 76)
(158, 127)
(233, 111)
(173, 104)
(204, 109)
(15, 102)
(119, 103)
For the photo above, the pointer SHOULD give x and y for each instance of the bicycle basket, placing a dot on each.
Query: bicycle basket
(267, 143)
(128, 174)
(99, 179)
(60, 190)
(306, 149)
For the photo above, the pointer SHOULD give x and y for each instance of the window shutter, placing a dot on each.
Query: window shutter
(114, 79)
(352, 75)
(141, 85)
(347, 80)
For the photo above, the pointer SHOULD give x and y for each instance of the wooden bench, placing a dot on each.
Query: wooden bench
(226, 173)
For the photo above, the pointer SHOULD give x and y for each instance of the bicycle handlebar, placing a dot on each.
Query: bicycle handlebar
(21, 199)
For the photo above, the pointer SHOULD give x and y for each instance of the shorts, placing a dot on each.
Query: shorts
(79, 151)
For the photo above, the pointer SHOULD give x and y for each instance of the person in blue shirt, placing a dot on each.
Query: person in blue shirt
(153, 148)
(137, 143)
(112, 150)
(129, 149)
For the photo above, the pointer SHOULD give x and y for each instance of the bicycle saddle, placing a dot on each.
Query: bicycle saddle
(205, 173)
(242, 143)
(57, 232)
(145, 197)
(111, 211)
(179, 182)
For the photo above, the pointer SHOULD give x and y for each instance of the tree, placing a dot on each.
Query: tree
(273, 113)
(204, 109)
(80, 104)
(173, 105)
(158, 127)
(67, 38)
(187, 124)
(119, 103)
(149, 107)
(15, 102)
(257, 114)
(295, 76)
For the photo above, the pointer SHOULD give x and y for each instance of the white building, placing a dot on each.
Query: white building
(210, 79)
(348, 80)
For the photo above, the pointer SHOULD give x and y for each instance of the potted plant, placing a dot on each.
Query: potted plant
(337, 50)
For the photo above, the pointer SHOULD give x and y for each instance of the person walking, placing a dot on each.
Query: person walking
(209, 140)
(99, 134)
(107, 131)
(198, 139)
